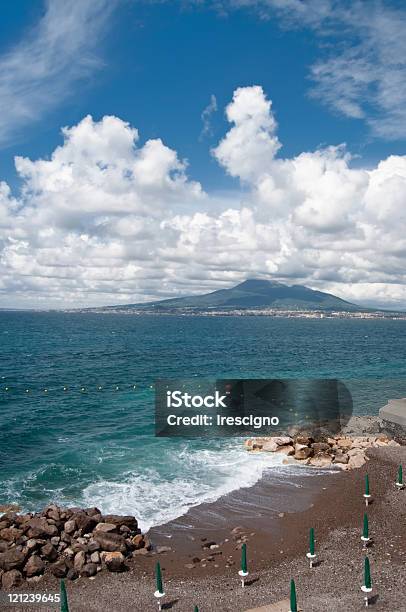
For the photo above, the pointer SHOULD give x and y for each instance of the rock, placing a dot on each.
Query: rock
(163, 549)
(52, 512)
(128, 521)
(286, 450)
(344, 443)
(72, 574)
(141, 551)
(66, 537)
(79, 561)
(92, 511)
(356, 461)
(355, 451)
(114, 561)
(9, 508)
(303, 453)
(269, 446)
(190, 565)
(138, 541)
(321, 447)
(34, 566)
(35, 579)
(305, 440)
(12, 559)
(125, 530)
(49, 552)
(84, 523)
(106, 527)
(90, 569)
(93, 546)
(320, 461)
(11, 534)
(11, 579)
(110, 542)
(59, 569)
(38, 527)
(341, 458)
(69, 553)
(95, 557)
(55, 540)
(3, 546)
(70, 526)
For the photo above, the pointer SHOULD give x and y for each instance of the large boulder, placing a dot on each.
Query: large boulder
(79, 561)
(84, 522)
(115, 519)
(356, 461)
(49, 552)
(114, 561)
(89, 570)
(110, 542)
(12, 559)
(106, 527)
(321, 448)
(34, 566)
(11, 579)
(70, 526)
(303, 453)
(59, 569)
(286, 450)
(38, 527)
(11, 534)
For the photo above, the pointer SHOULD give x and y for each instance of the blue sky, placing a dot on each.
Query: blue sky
(335, 73)
(159, 65)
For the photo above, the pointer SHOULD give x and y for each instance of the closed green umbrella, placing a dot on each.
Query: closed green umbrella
(64, 598)
(399, 482)
(243, 573)
(196, 609)
(244, 559)
(293, 600)
(367, 494)
(159, 585)
(311, 555)
(365, 531)
(367, 586)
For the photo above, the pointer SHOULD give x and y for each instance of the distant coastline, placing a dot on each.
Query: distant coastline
(245, 312)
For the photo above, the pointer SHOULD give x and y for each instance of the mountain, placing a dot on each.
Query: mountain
(256, 293)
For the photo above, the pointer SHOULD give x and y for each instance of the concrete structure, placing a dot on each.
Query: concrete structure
(394, 413)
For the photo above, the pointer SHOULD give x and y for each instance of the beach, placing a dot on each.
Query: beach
(331, 502)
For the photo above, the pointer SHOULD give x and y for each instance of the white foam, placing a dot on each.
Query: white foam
(199, 475)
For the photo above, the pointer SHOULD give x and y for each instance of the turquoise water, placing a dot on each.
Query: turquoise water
(97, 446)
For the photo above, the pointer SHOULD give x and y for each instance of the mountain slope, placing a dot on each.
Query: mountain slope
(257, 293)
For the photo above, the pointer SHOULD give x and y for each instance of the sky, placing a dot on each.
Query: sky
(150, 149)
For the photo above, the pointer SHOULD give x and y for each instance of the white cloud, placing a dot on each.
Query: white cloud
(206, 116)
(42, 69)
(361, 71)
(108, 219)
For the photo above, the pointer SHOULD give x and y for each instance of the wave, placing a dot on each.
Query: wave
(196, 476)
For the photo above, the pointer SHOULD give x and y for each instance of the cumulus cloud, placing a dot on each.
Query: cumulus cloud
(108, 219)
(42, 69)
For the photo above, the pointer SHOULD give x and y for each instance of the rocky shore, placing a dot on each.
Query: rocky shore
(65, 542)
(341, 452)
(345, 451)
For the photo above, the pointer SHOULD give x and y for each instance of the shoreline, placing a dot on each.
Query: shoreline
(330, 502)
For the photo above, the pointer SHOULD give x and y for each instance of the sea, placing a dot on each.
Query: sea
(77, 400)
